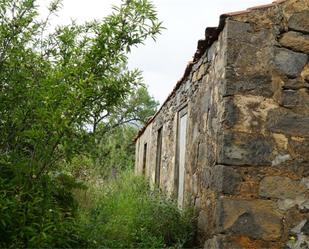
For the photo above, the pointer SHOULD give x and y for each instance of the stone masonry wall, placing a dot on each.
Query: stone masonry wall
(247, 147)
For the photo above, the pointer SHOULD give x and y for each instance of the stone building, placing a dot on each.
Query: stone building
(232, 139)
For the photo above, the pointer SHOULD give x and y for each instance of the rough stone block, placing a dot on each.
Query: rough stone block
(289, 62)
(220, 242)
(256, 84)
(246, 33)
(229, 180)
(245, 149)
(237, 242)
(289, 123)
(299, 148)
(245, 58)
(203, 221)
(249, 51)
(289, 98)
(293, 98)
(240, 31)
(296, 84)
(300, 21)
(251, 112)
(223, 179)
(281, 187)
(257, 219)
(296, 41)
(214, 243)
(300, 201)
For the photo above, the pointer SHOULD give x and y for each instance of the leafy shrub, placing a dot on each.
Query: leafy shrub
(128, 214)
(53, 83)
(37, 213)
(116, 151)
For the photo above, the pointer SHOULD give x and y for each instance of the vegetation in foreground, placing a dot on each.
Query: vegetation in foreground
(127, 213)
(68, 105)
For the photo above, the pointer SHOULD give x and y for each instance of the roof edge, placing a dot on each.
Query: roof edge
(211, 35)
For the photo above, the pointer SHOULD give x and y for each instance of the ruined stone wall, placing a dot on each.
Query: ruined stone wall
(205, 105)
(247, 159)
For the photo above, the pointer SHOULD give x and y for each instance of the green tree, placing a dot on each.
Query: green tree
(136, 109)
(116, 151)
(110, 141)
(113, 133)
(51, 84)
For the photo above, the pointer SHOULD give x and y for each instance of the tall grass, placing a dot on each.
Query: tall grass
(128, 214)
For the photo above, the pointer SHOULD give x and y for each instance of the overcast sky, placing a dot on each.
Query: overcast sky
(163, 62)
